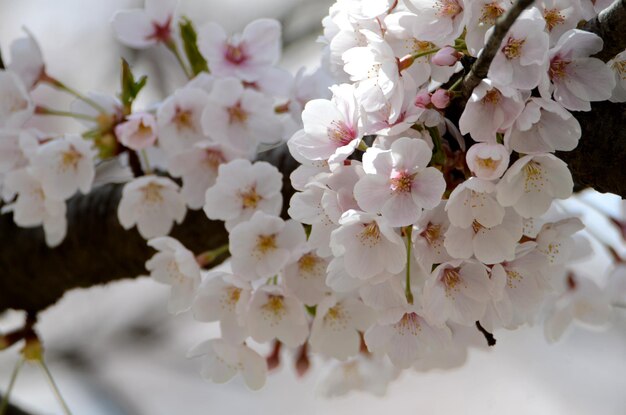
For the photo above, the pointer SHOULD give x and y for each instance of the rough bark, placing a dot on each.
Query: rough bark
(97, 250)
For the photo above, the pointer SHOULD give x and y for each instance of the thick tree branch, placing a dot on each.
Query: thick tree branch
(480, 68)
(610, 25)
(97, 250)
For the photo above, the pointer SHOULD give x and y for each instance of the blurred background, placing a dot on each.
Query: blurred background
(114, 350)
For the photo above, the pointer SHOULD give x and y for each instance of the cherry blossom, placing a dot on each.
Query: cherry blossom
(64, 165)
(221, 361)
(331, 127)
(33, 207)
(242, 55)
(263, 245)
(179, 119)
(198, 166)
(368, 244)
(142, 28)
(398, 184)
(27, 60)
(224, 297)
(306, 278)
(240, 118)
(404, 335)
(335, 330)
(487, 161)
(576, 78)
(138, 131)
(520, 61)
(176, 266)
(274, 314)
(458, 291)
(437, 20)
(16, 106)
(241, 189)
(532, 182)
(618, 66)
(153, 204)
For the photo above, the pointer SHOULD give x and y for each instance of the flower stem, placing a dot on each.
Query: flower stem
(54, 387)
(439, 157)
(146, 162)
(171, 46)
(60, 85)
(48, 111)
(207, 258)
(407, 289)
(5, 400)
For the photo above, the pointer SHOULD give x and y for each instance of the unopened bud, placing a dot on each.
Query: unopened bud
(441, 98)
(447, 56)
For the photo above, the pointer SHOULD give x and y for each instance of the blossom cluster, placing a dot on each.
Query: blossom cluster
(422, 218)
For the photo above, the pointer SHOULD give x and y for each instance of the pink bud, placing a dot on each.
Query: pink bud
(441, 98)
(422, 100)
(447, 56)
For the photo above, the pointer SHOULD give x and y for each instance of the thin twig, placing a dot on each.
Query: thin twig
(480, 68)
(491, 341)
(55, 388)
(5, 400)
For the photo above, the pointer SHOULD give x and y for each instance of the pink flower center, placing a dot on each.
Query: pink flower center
(558, 68)
(236, 114)
(213, 159)
(161, 32)
(340, 133)
(492, 97)
(401, 181)
(490, 12)
(448, 8)
(235, 54)
(408, 324)
(513, 48)
(553, 18)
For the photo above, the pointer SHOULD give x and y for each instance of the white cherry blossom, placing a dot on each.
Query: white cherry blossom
(153, 204)
(221, 361)
(487, 161)
(474, 201)
(179, 119)
(577, 78)
(335, 329)
(224, 297)
(64, 165)
(457, 291)
(491, 110)
(27, 60)
(274, 314)
(331, 127)
(306, 278)
(263, 245)
(428, 237)
(368, 244)
(618, 66)
(142, 28)
(533, 182)
(198, 166)
(16, 105)
(242, 55)
(439, 21)
(33, 207)
(175, 266)
(405, 335)
(243, 188)
(521, 59)
(240, 117)
(489, 244)
(138, 132)
(398, 184)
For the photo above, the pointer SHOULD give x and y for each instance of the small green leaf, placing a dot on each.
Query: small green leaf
(130, 87)
(190, 43)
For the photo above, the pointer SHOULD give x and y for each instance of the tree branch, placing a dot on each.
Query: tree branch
(610, 25)
(97, 250)
(480, 68)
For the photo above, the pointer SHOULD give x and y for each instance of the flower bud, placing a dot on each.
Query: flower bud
(441, 98)
(447, 56)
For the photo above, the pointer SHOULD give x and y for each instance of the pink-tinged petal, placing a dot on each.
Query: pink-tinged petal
(458, 242)
(262, 40)
(133, 28)
(372, 192)
(410, 154)
(428, 187)
(400, 210)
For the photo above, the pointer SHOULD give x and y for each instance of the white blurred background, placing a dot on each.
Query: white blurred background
(114, 350)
